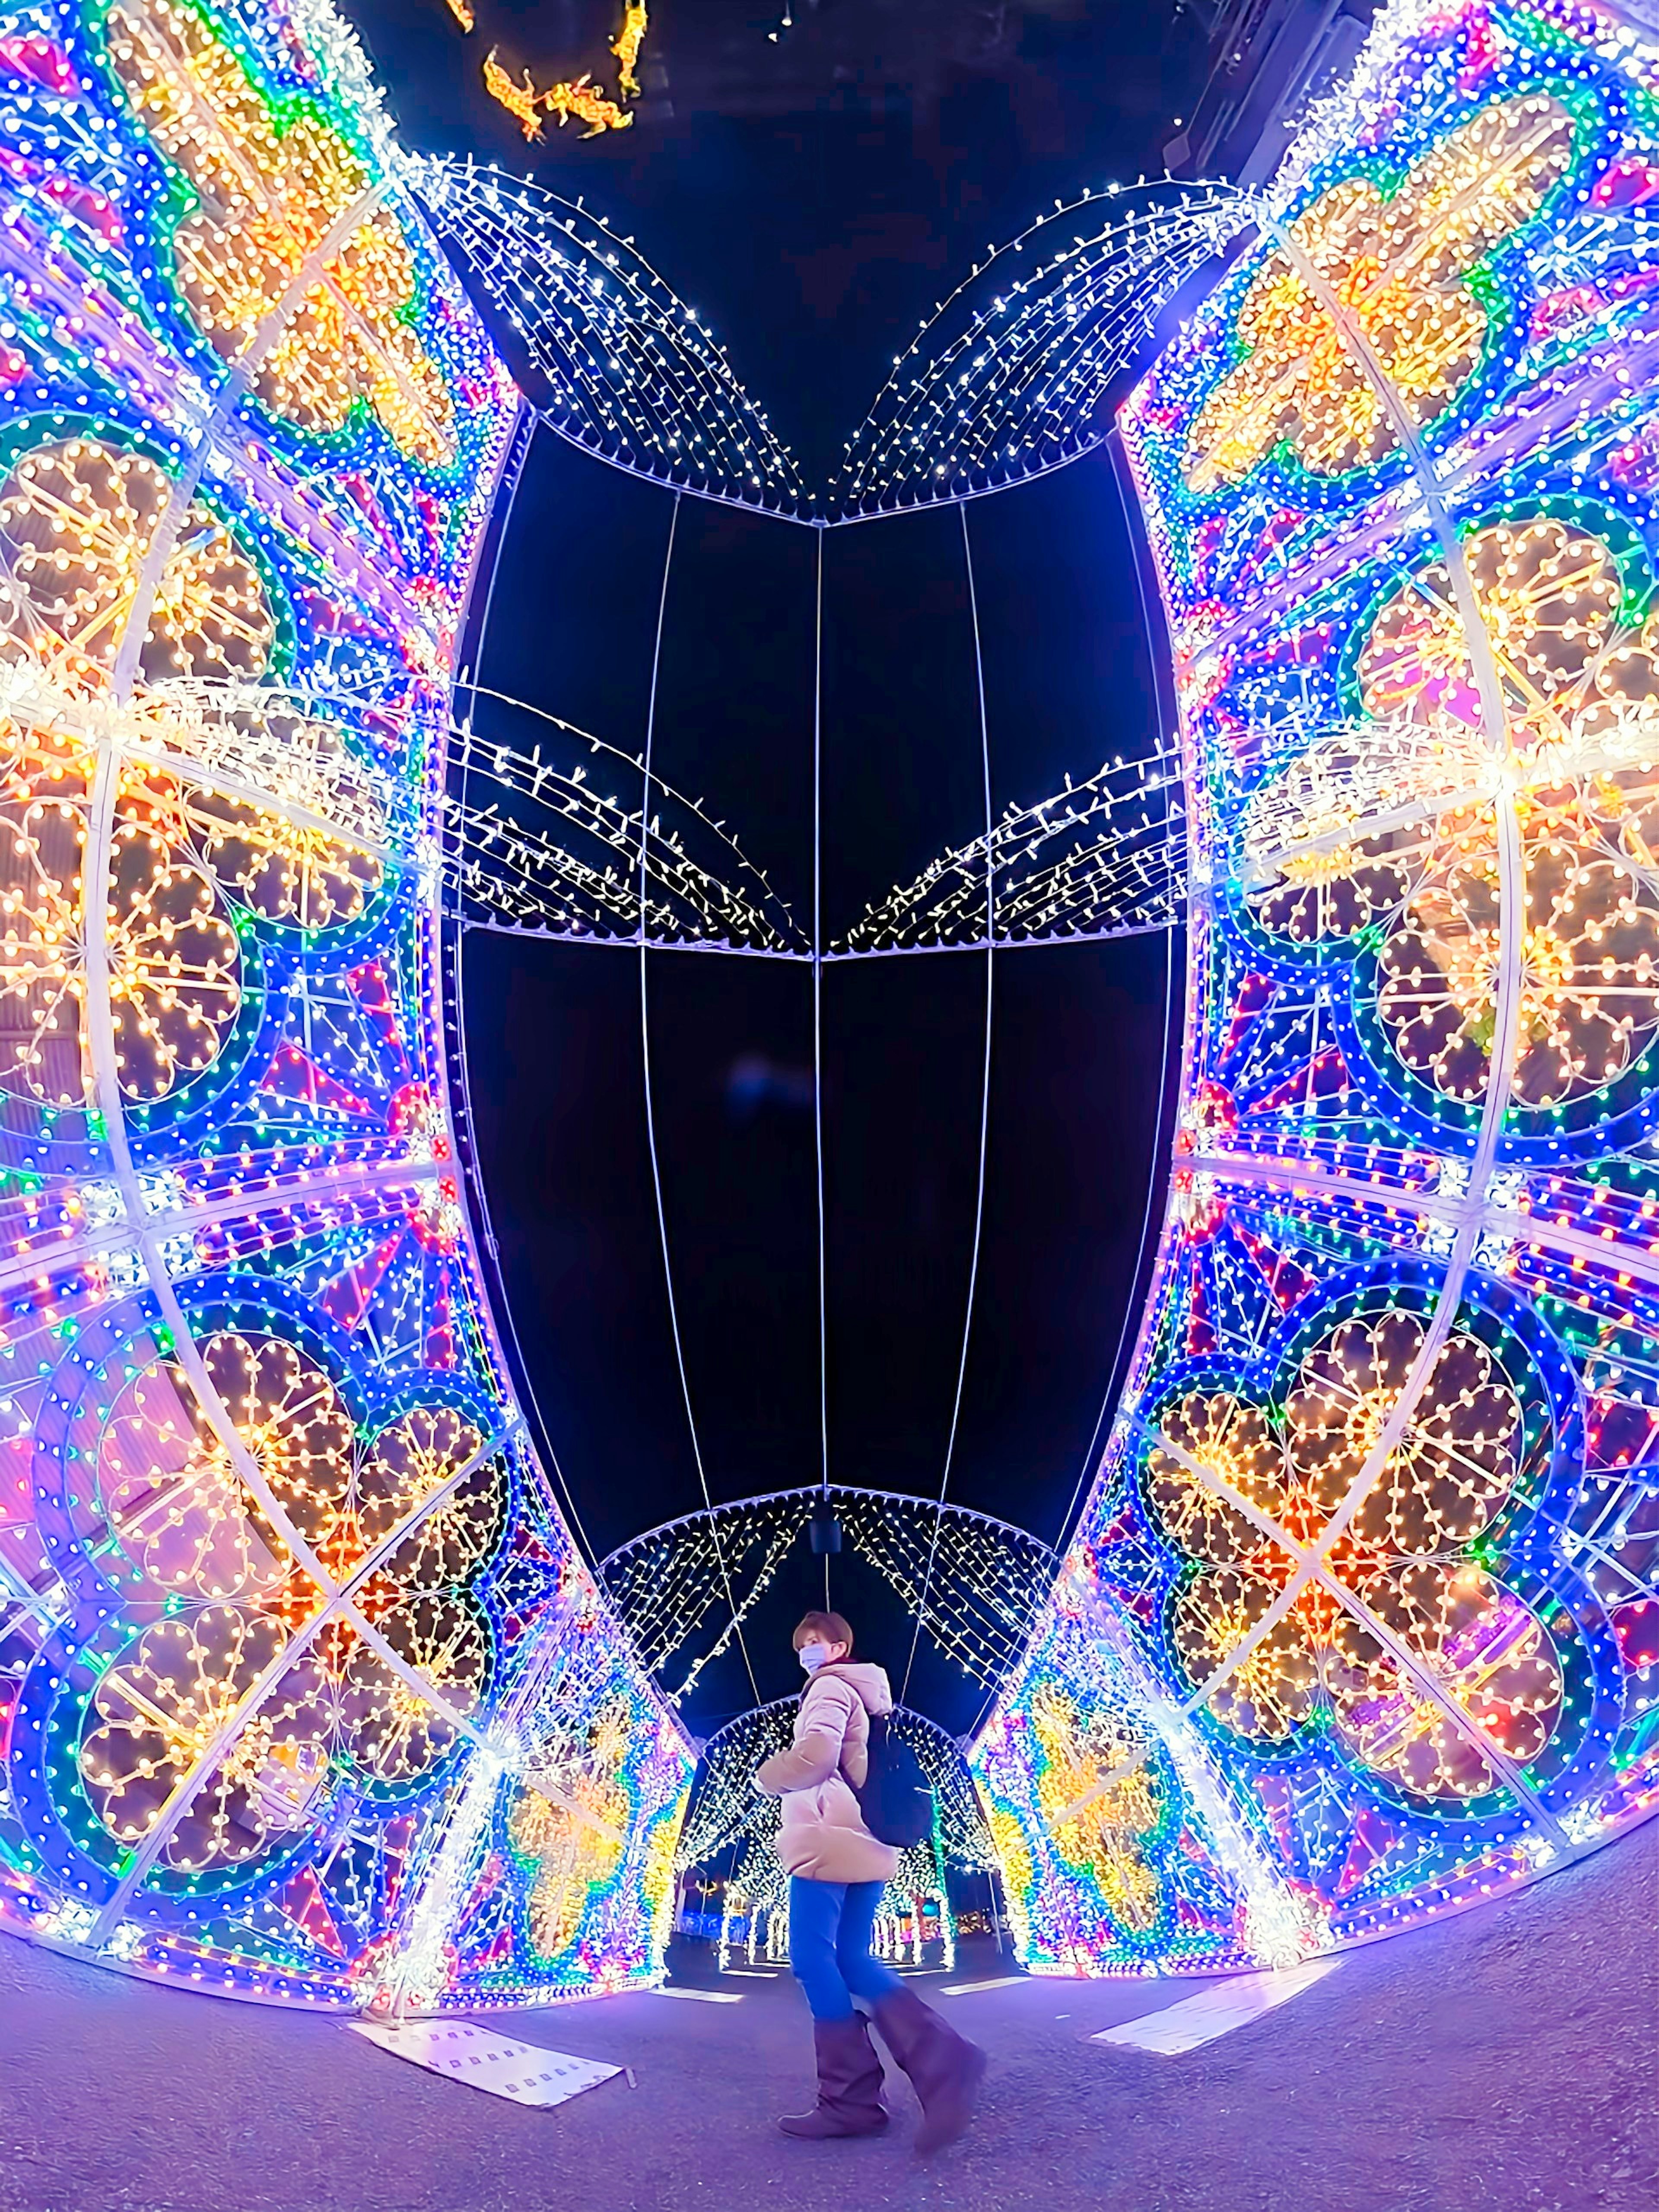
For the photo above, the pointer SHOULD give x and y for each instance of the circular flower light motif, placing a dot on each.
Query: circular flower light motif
(42, 833)
(1452, 1465)
(176, 1498)
(1336, 840)
(1486, 1650)
(164, 1705)
(1398, 266)
(1587, 973)
(411, 1462)
(173, 961)
(1269, 1693)
(280, 810)
(392, 1729)
(174, 965)
(1442, 1481)
(295, 1426)
(1231, 1442)
(1581, 699)
(80, 517)
(1549, 598)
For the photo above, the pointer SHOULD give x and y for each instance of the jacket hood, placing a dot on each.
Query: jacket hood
(871, 1682)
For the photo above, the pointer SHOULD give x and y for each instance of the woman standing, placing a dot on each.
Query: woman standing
(837, 1871)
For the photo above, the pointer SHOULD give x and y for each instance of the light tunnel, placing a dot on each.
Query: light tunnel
(308, 1693)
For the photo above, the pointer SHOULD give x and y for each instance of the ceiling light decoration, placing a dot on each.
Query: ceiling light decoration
(1012, 375)
(683, 1591)
(1104, 857)
(629, 371)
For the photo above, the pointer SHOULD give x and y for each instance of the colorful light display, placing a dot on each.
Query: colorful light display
(1371, 1559)
(305, 1693)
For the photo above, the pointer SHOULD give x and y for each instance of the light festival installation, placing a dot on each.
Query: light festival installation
(1371, 1554)
(307, 1693)
(728, 1824)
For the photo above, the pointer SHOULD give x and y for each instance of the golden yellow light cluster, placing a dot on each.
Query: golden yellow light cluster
(78, 518)
(271, 187)
(172, 1698)
(180, 1508)
(1408, 838)
(578, 96)
(626, 46)
(1443, 1482)
(573, 1855)
(290, 829)
(174, 960)
(1398, 265)
(1098, 1821)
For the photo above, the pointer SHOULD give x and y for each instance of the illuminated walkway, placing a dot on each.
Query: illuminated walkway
(1504, 2059)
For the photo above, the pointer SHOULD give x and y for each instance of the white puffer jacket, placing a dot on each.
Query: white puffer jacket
(823, 1837)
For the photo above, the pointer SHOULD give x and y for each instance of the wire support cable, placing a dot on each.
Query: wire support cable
(984, 1107)
(650, 1109)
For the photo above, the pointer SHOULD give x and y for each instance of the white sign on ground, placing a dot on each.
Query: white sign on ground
(1215, 2011)
(523, 2071)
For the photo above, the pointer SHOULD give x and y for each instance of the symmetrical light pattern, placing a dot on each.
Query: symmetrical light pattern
(974, 1584)
(1372, 1551)
(303, 1692)
(630, 373)
(1011, 375)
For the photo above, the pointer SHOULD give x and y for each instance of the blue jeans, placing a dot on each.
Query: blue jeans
(830, 1928)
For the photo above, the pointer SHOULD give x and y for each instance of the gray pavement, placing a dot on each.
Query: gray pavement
(1506, 2058)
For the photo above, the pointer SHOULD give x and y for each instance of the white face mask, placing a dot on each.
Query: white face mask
(813, 1656)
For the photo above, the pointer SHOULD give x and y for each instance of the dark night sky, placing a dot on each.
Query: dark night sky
(810, 201)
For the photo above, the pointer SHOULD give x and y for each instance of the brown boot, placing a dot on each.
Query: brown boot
(849, 2083)
(944, 2068)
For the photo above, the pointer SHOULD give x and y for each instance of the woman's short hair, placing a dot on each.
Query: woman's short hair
(823, 1628)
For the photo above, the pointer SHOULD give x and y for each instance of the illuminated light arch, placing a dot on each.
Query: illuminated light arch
(1376, 1523)
(307, 1693)
(301, 1661)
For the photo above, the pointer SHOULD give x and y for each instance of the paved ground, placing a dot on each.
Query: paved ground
(1506, 2059)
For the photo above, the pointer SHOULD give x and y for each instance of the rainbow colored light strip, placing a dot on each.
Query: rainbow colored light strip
(305, 1694)
(1361, 1622)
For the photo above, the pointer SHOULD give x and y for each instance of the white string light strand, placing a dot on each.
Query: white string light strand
(1008, 378)
(632, 374)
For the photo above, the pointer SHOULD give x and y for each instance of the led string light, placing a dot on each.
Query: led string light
(508, 874)
(1010, 376)
(1124, 869)
(988, 1583)
(1358, 1624)
(630, 371)
(283, 1587)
